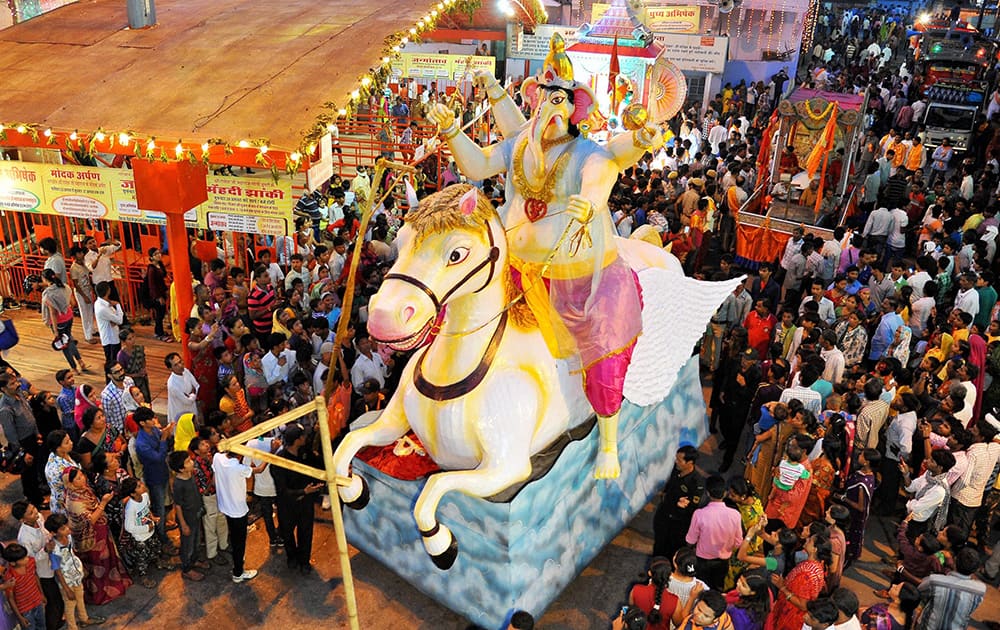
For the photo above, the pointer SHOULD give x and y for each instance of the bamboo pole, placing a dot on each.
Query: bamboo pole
(366, 214)
(332, 482)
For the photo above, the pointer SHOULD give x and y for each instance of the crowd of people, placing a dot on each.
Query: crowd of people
(855, 374)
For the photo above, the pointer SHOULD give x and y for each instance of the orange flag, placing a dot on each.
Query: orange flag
(824, 145)
(613, 71)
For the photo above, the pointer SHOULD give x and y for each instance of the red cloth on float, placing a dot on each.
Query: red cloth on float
(406, 467)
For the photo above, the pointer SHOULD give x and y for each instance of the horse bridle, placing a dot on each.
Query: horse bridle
(490, 261)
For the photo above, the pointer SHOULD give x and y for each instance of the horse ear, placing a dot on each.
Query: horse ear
(467, 204)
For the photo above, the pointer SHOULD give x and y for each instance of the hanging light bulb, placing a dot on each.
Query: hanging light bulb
(123, 139)
(47, 133)
(355, 95)
(294, 156)
(341, 112)
(73, 135)
(179, 149)
(204, 147)
(99, 136)
(151, 144)
(366, 81)
(243, 144)
(21, 129)
(263, 149)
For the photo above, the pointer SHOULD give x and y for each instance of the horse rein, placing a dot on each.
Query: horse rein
(490, 261)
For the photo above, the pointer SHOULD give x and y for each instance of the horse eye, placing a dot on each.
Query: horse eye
(457, 255)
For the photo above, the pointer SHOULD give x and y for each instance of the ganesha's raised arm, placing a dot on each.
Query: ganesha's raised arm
(474, 161)
(508, 116)
(629, 147)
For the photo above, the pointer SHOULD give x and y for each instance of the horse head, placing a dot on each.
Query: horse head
(452, 246)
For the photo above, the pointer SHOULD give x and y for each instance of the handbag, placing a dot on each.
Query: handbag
(8, 336)
(11, 460)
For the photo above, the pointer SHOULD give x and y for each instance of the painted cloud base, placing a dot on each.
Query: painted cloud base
(522, 554)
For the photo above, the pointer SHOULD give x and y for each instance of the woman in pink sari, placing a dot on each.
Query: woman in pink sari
(804, 583)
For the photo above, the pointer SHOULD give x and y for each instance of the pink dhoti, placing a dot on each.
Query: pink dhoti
(601, 322)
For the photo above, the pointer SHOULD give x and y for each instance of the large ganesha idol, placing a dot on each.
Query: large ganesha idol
(530, 319)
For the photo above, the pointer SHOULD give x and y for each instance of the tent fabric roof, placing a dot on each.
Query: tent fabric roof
(229, 69)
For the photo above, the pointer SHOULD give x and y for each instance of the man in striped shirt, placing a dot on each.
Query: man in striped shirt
(261, 303)
(949, 600)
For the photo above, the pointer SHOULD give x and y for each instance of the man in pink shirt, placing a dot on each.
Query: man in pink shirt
(716, 530)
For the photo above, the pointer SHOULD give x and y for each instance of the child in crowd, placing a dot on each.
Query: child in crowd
(69, 572)
(791, 468)
(139, 547)
(190, 510)
(25, 591)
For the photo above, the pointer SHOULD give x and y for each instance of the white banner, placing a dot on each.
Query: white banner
(695, 53)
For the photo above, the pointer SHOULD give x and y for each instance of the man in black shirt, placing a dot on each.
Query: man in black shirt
(681, 495)
(296, 495)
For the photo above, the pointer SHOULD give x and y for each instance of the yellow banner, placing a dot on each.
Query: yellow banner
(434, 66)
(235, 204)
(662, 19)
(72, 191)
(254, 206)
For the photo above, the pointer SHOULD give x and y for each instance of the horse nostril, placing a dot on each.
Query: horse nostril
(407, 314)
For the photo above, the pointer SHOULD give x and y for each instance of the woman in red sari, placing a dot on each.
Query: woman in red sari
(204, 365)
(106, 577)
(787, 505)
(804, 583)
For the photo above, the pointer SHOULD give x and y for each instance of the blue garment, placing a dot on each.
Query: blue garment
(67, 404)
(823, 388)
(853, 287)
(884, 335)
(152, 452)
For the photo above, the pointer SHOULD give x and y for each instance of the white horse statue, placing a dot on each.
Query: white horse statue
(483, 392)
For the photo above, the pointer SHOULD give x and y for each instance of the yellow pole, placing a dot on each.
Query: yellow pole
(338, 518)
(366, 214)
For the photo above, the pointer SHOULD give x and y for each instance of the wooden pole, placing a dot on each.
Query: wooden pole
(366, 214)
(237, 444)
(338, 519)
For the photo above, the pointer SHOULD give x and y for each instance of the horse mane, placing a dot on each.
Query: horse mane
(439, 213)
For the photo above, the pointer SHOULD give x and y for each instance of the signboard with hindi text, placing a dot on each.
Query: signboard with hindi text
(253, 206)
(662, 19)
(441, 66)
(695, 53)
(525, 46)
(238, 204)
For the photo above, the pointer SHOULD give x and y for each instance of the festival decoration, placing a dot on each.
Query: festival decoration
(668, 90)
(489, 351)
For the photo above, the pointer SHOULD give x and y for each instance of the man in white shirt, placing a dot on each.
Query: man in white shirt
(263, 488)
(109, 315)
(833, 357)
(33, 536)
(368, 365)
(98, 259)
(929, 491)
(182, 388)
(231, 489)
(922, 277)
(967, 299)
(847, 609)
(897, 241)
(278, 360)
(297, 271)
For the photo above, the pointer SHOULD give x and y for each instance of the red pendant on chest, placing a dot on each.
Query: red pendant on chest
(535, 209)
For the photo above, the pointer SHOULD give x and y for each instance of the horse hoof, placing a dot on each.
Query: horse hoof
(446, 559)
(441, 546)
(356, 495)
